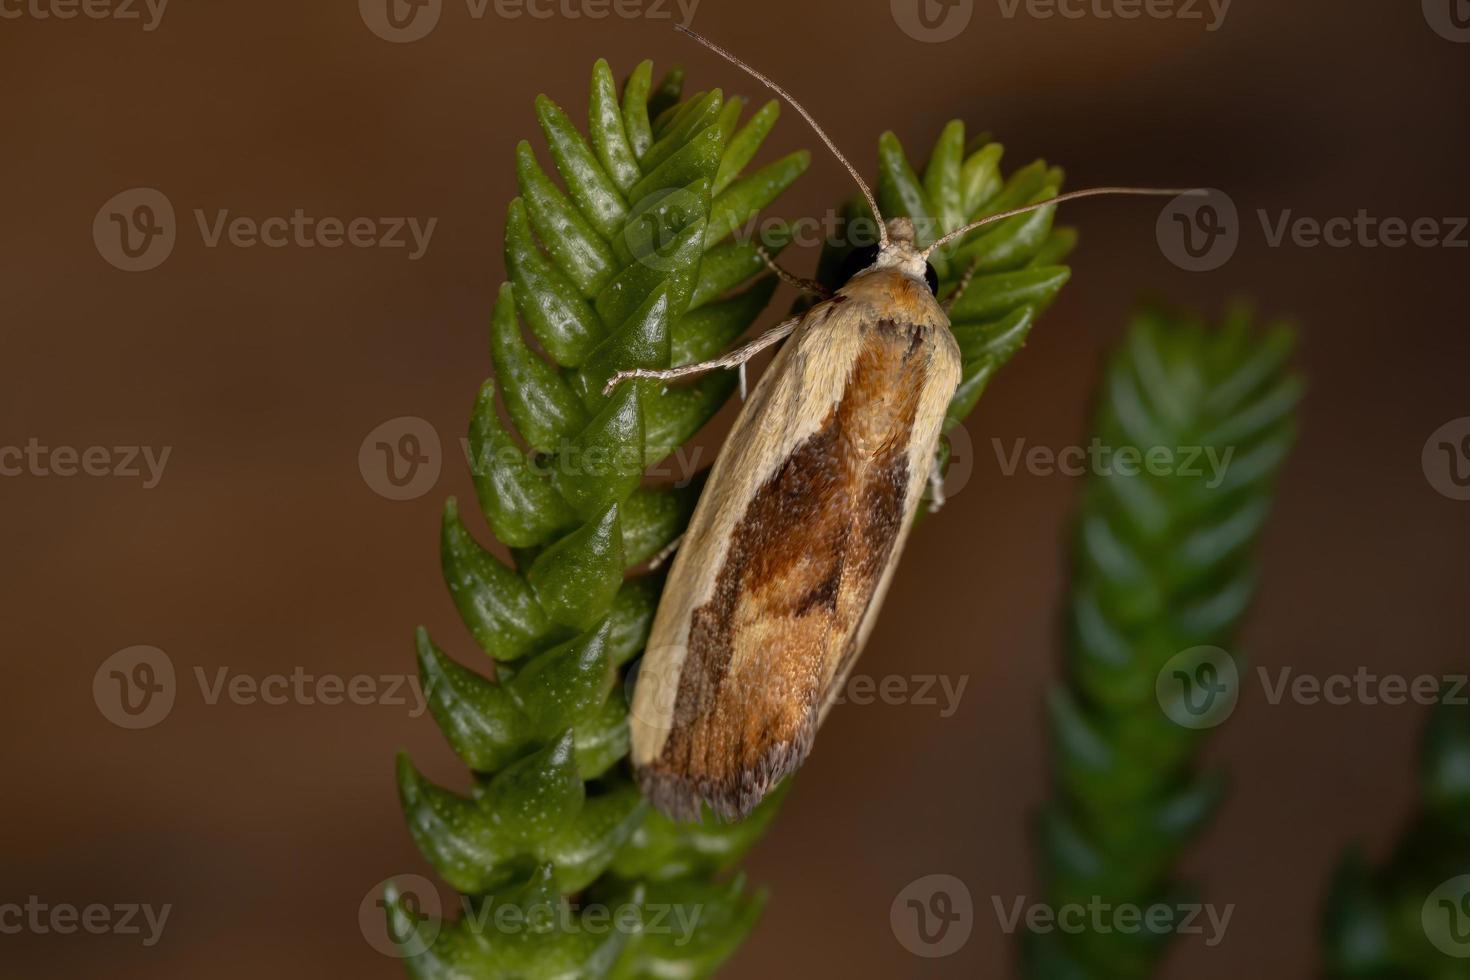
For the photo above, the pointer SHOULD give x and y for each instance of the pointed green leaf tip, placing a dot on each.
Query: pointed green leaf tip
(499, 607)
(538, 795)
(560, 318)
(482, 722)
(576, 578)
(521, 506)
(603, 464)
(527, 930)
(541, 404)
(566, 683)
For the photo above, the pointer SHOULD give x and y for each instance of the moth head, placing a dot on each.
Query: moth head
(898, 252)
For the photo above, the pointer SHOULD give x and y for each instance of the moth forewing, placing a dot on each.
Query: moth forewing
(792, 546)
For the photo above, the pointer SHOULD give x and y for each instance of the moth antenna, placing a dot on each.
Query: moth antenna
(862, 184)
(1069, 196)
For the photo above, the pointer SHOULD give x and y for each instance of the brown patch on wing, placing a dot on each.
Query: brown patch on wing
(803, 564)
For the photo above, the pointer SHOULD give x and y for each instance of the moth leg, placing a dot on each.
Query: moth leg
(735, 358)
(791, 279)
(936, 485)
(743, 392)
(962, 285)
(664, 553)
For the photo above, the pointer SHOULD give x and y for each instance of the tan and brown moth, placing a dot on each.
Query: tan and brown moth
(779, 578)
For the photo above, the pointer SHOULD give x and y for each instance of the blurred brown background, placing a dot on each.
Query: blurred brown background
(263, 550)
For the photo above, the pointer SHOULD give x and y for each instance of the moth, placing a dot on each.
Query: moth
(778, 580)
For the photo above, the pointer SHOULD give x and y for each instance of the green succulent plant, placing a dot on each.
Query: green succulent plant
(634, 259)
(627, 263)
(1410, 919)
(1164, 563)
